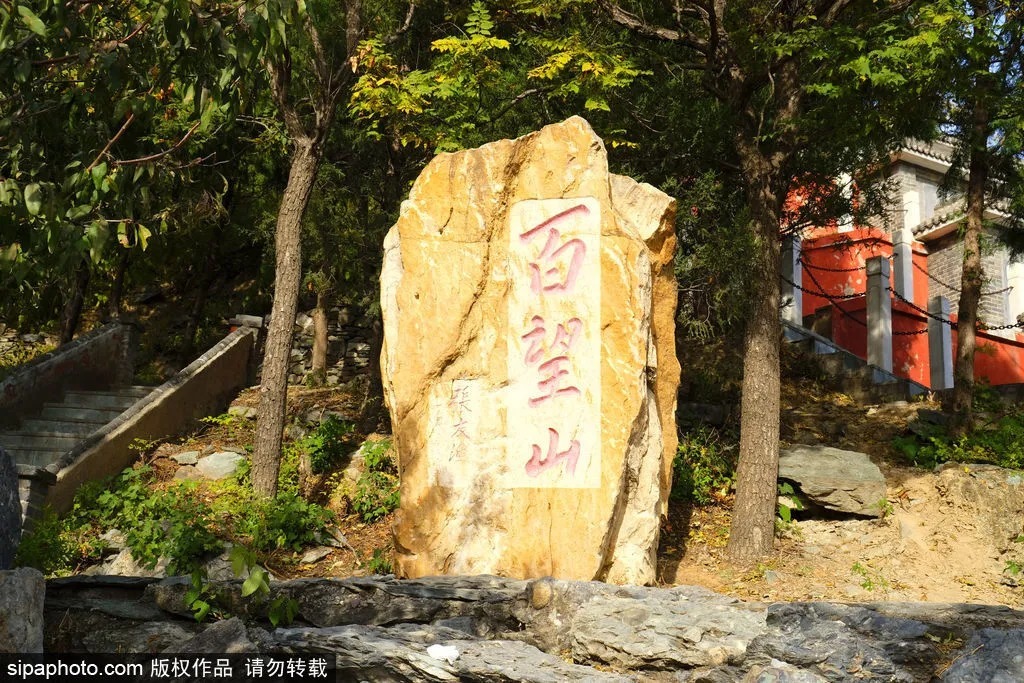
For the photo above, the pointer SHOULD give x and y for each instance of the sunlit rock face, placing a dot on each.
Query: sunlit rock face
(529, 362)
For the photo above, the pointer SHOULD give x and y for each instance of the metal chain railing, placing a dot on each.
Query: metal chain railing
(845, 297)
(830, 297)
(923, 311)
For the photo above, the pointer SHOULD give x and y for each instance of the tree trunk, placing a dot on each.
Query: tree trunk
(199, 303)
(372, 412)
(972, 275)
(73, 308)
(752, 531)
(266, 457)
(319, 370)
(117, 287)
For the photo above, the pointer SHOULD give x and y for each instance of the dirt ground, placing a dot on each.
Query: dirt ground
(947, 538)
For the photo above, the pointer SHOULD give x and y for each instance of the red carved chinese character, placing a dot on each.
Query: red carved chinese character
(561, 261)
(550, 386)
(551, 365)
(535, 465)
(566, 335)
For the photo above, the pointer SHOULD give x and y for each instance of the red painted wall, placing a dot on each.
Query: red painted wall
(836, 263)
(997, 361)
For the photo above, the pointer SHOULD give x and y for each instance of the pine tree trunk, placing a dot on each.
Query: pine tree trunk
(972, 276)
(752, 530)
(73, 308)
(266, 457)
(319, 370)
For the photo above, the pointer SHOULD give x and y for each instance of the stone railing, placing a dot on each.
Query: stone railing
(205, 387)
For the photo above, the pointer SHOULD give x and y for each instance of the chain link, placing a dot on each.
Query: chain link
(920, 310)
(831, 298)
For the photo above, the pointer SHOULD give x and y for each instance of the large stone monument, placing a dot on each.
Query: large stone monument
(529, 362)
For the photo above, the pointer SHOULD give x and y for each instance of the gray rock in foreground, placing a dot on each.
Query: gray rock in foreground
(843, 481)
(21, 610)
(10, 511)
(219, 465)
(486, 629)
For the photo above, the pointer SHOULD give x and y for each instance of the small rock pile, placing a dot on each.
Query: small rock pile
(11, 340)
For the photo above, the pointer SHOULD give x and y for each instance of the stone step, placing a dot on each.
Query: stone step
(79, 429)
(97, 416)
(97, 399)
(32, 456)
(46, 442)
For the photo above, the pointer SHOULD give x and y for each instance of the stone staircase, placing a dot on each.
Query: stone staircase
(43, 438)
(860, 380)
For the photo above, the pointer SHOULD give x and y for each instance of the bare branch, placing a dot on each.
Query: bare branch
(634, 23)
(280, 83)
(158, 155)
(405, 24)
(110, 143)
(517, 99)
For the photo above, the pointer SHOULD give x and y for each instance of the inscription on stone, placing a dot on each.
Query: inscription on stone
(554, 344)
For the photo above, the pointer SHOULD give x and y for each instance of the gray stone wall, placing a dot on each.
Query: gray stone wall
(96, 360)
(350, 332)
(945, 264)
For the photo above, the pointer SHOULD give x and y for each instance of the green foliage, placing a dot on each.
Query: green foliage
(199, 597)
(101, 106)
(785, 511)
(870, 578)
(380, 563)
(288, 521)
(17, 354)
(173, 523)
(328, 443)
(704, 466)
(379, 456)
(49, 547)
(475, 80)
(377, 490)
(376, 496)
(1000, 443)
(202, 600)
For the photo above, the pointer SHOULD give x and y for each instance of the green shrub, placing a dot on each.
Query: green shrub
(172, 523)
(328, 443)
(380, 563)
(287, 521)
(1000, 443)
(704, 466)
(376, 495)
(48, 547)
(379, 456)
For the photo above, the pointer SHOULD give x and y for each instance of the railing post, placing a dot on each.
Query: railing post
(879, 314)
(902, 263)
(792, 298)
(940, 344)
